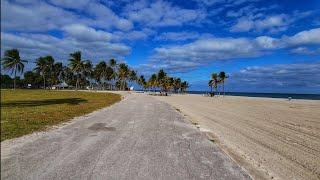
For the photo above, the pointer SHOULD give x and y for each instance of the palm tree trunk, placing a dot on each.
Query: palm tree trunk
(121, 85)
(223, 89)
(216, 89)
(77, 83)
(14, 80)
(44, 82)
(112, 82)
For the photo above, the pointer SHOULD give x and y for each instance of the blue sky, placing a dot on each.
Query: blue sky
(264, 46)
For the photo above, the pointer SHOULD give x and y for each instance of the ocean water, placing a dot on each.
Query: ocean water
(267, 95)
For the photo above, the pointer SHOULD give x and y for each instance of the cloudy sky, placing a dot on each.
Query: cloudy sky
(264, 46)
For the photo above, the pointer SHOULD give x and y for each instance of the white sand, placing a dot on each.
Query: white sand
(271, 138)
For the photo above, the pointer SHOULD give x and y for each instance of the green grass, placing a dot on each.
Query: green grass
(27, 111)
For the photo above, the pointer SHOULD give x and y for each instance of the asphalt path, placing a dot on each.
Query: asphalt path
(137, 138)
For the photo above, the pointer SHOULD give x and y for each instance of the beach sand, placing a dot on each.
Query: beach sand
(270, 138)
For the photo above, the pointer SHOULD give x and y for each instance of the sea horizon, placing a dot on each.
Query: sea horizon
(307, 96)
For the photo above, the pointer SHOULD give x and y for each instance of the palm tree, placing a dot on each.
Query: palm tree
(57, 72)
(67, 76)
(177, 84)
(184, 86)
(87, 72)
(153, 81)
(109, 75)
(13, 62)
(76, 65)
(99, 72)
(214, 81)
(103, 72)
(79, 67)
(123, 73)
(168, 83)
(142, 82)
(161, 78)
(44, 66)
(222, 78)
(132, 76)
(210, 83)
(113, 65)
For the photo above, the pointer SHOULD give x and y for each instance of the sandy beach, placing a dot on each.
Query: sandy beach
(271, 138)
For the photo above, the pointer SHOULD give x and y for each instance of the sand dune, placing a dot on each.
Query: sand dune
(271, 138)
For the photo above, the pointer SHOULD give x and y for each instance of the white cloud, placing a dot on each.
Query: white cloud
(104, 17)
(80, 4)
(32, 46)
(227, 3)
(209, 2)
(161, 13)
(251, 18)
(206, 50)
(85, 33)
(306, 51)
(33, 17)
(243, 24)
(267, 43)
(40, 16)
(292, 77)
(304, 37)
(272, 23)
(177, 36)
(132, 35)
(190, 56)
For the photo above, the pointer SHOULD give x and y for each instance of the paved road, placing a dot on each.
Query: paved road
(138, 138)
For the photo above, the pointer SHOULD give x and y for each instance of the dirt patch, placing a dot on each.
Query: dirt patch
(101, 127)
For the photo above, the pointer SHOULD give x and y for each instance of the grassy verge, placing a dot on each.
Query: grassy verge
(27, 111)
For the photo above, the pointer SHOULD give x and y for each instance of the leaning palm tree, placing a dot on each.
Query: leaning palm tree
(123, 73)
(41, 68)
(13, 62)
(76, 65)
(168, 84)
(214, 81)
(211, 83)
(79, 67)
(132, 76)
(184, 86)
(161, 78)
(222, 78)
(142, 82)
(177, 84)
(44, 66)
(100, 72)
(153, 81)
(57, 72)
(113, 64)
(87, 72)
(67, 76)
(109, 75)
(103, 72)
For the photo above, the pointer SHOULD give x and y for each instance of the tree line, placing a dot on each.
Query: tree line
(81, 73)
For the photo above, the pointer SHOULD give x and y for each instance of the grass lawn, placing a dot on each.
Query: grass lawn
(26, 111)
